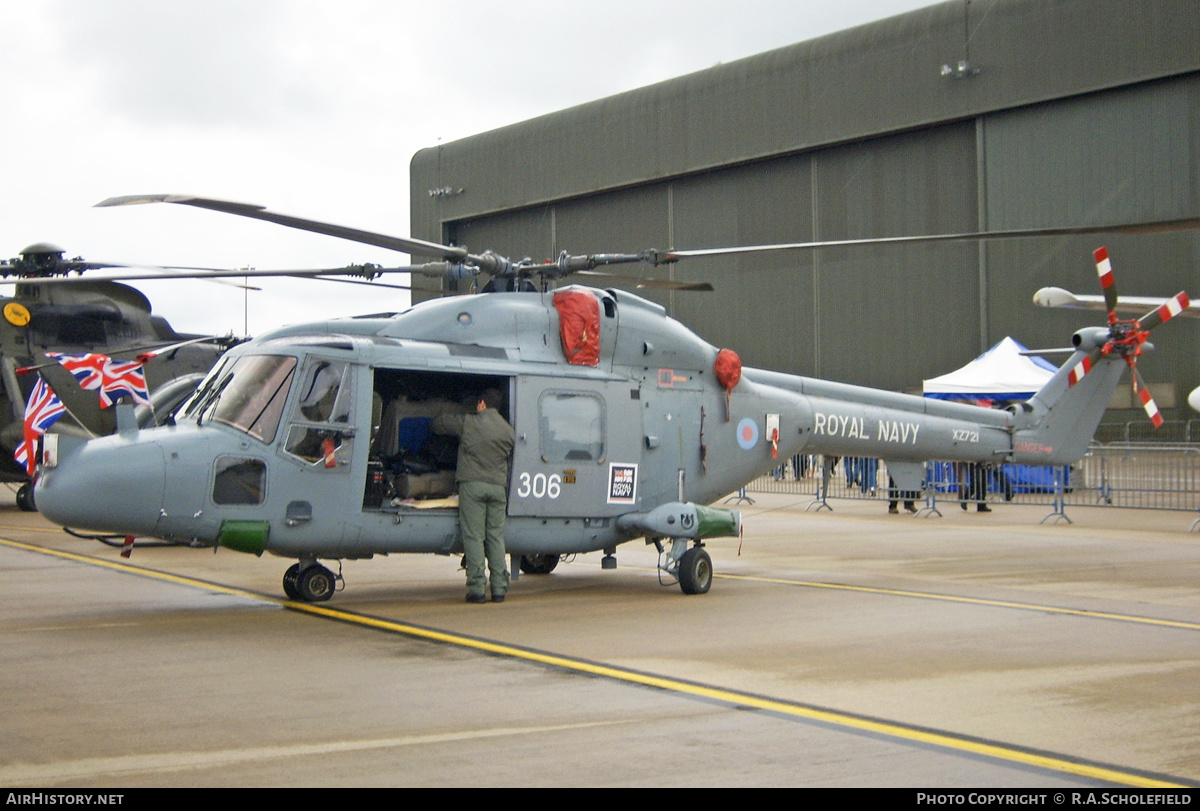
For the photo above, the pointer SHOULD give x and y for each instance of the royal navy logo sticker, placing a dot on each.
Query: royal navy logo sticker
(622, 484)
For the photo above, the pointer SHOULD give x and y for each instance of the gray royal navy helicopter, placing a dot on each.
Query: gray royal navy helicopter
(312, 442)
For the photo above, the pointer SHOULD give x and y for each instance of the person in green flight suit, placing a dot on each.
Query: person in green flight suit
(485, 445)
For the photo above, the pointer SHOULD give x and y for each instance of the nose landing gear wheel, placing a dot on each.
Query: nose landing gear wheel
(316, 584)
(695, 571)
(25, 498)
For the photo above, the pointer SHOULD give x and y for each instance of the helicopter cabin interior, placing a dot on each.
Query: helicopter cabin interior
(408, 464)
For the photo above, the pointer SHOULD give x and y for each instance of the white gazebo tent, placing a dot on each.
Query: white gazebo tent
(1000, 374)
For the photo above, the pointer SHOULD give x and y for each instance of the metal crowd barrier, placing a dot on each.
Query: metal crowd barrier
(1118, 474)
(1143, 431)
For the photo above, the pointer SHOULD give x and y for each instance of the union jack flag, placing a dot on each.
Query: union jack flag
(114, 378)
(121, 378)
(43, 410)
(88, 369)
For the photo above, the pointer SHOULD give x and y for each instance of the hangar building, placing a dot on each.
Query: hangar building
(960, 117)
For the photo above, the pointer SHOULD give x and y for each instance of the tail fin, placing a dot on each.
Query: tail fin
(1062, 418)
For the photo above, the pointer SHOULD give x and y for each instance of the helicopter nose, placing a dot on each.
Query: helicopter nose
(110, 484)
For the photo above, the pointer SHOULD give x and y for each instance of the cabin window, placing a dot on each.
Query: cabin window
(317, 445)
(571, 425)
(252, 397)
(239, 480)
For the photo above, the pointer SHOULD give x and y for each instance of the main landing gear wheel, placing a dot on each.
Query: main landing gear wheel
(25, 498)
(538, 564)
(695, 571)
(316, 584)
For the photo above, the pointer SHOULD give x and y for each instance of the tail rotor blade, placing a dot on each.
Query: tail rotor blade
(1083, 367)
(1107, 283)
(1143, 394)
(1169, 309)
(1151, 408)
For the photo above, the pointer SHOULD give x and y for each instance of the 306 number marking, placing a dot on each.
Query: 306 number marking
(539, 485)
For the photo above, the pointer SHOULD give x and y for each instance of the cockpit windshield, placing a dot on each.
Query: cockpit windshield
(249, 396)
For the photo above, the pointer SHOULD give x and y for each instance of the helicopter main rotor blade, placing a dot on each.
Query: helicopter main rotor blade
(657, 284)
(340, 280)
(1130, 305)
(1156, 227)
(175, 273)
(459, 263)
(418, 247)
(146, 352)
(151, 272)
(436, 269)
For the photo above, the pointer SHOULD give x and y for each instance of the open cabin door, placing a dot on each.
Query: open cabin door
(319, 430)
(578, 447)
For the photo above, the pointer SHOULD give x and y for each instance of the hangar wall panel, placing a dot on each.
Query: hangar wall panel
(1125, 155)
(873, 301)
(766, 298)
(859, 135)
(615, 223)
(859, 83)
(527, 232)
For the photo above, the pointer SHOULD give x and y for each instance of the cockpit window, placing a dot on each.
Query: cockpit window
(320, 432)
(205, 391)
(252, 396)
(319, 400)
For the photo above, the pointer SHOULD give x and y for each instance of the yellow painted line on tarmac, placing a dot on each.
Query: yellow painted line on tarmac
(731, 697)
(951, 598)
(741, 699)
(128, 568)
(13, 528)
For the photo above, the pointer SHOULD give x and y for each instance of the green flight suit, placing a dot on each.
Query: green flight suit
(485, 445)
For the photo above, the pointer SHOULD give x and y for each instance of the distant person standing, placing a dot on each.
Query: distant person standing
(896, 495)
(976, 475)
(485, 444)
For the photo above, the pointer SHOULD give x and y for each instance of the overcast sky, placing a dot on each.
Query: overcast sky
(312, 108)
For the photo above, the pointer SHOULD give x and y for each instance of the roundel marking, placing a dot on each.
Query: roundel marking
(747, 433)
